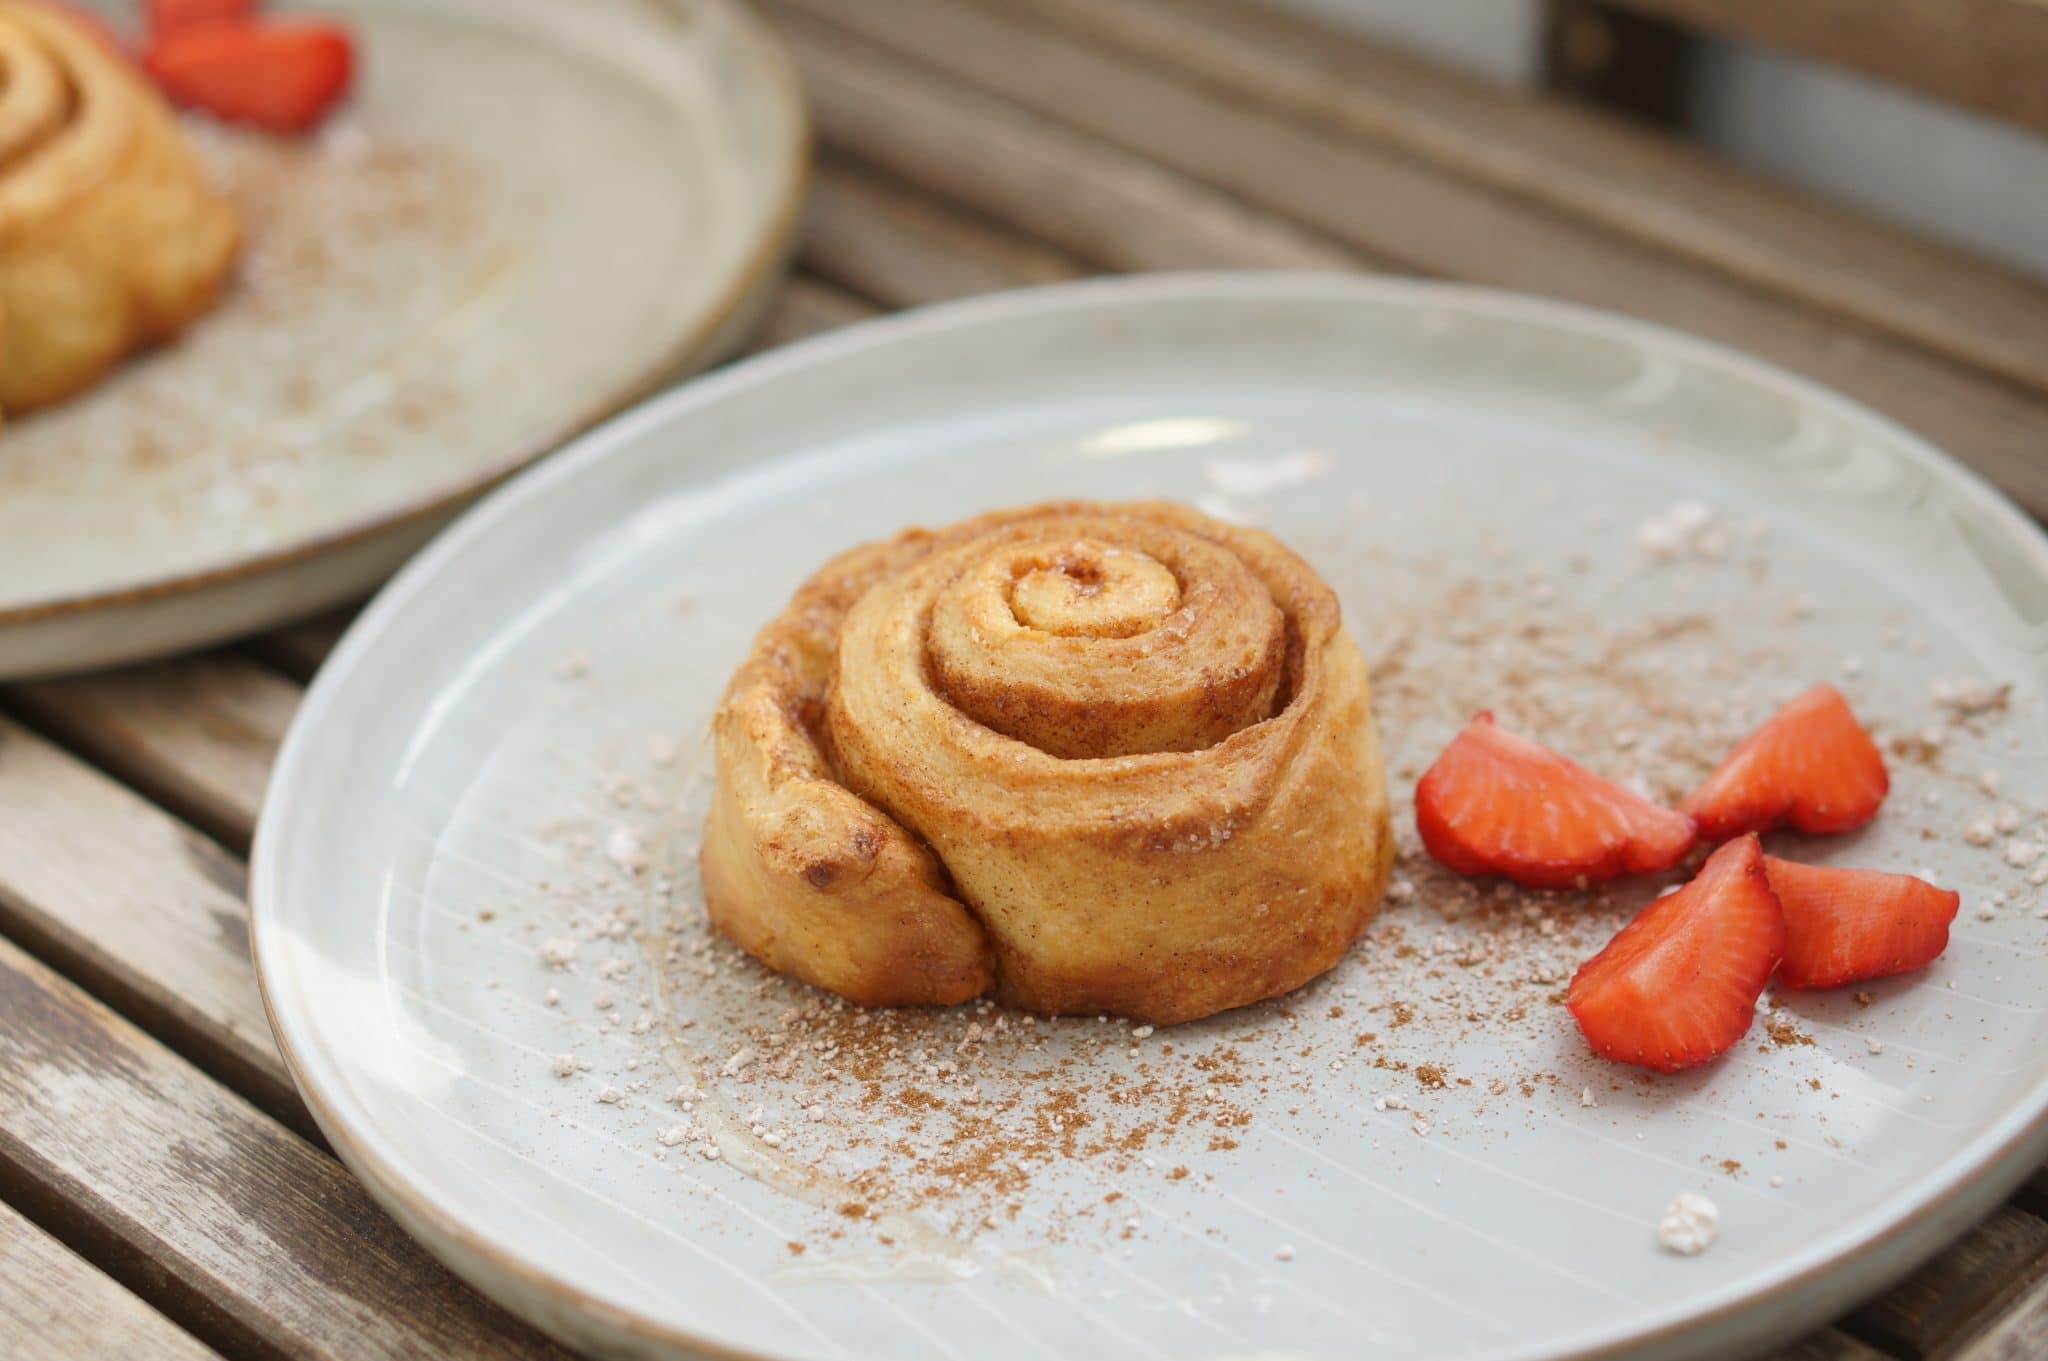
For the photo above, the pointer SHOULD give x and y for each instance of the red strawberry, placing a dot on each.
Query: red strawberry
(1811, 767)
(1678, 985)
(1495, 803)
(279, 74)
(164, 15)
(1843, 926)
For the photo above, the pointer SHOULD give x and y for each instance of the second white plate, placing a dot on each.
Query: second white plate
(527, 216)
(479, 932)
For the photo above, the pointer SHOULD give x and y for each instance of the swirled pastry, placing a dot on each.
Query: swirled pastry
(1097, 757)
(108, 237)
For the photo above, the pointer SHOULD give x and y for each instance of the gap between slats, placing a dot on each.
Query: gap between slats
(1593, 165)
(1939, 1307)
(1387, 204)
(243, 1234)
(56, 1306)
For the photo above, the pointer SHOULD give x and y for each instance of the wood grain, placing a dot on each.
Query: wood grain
(805, 307)
(1436, 223)
(299, 649)
(55, 1306)
(2019, 1333)
(214, 1213)
(1827, 1344)
(1100, 204)
(1987, 55)
(197, 735)
(2033, 1196)
(1607, 171)
(898, 247)
(1945, 1299)
(140, 907)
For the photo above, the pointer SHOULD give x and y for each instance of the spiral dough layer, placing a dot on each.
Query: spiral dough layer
(108, 237)
(1097, 757)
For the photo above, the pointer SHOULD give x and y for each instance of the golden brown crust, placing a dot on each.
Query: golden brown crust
(1128, 745)
(108, 237)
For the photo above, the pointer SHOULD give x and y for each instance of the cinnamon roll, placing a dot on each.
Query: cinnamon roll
(1094, 757)
(108, 237)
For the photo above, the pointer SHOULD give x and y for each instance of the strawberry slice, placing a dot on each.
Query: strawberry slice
(279, 74)
(164, 15)
(1495, 803)
(1843, 925)
(1677, 986)
(1811, 767)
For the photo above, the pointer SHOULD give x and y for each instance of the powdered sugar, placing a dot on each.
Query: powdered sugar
(1690, 1225)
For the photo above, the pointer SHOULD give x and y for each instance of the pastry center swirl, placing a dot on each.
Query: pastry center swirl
(1132, 640)
(1091, 590)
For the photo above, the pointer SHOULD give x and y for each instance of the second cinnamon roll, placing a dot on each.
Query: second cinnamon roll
(109, 237)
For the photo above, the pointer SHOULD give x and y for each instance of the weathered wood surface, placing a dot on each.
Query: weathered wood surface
(197, 735)
(1950, 1297)
(1986, 55)
(56, 1306)
(1419, 216)
(2018, 1333)
(225, 1220)
(143, 909)
(898, 247)
(1585, 164)
(298, 651)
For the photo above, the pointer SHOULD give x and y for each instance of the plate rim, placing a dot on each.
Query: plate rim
(792, 163)
(1980, 1171)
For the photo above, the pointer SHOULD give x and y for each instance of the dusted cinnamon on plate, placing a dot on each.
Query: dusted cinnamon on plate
(1095, 757)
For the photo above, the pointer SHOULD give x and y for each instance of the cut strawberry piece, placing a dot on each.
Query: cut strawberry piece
(1843, 925)
(1495, 803)
(1677, 986)
(164, 15)
(279, 74)
(1811, 767)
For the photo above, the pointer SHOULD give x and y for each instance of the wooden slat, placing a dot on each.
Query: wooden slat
(1827, 1344)
(1922, 1315)
(198, 734)
(219, 1216)
(298, 650)
(1638, 184)
(899, 247)
(140, 907)
(806, 307)
(1438, 223)
(1098, 203)
(55, 1306)
(1988, 55)
(2034, 1195)
(2019, 1333)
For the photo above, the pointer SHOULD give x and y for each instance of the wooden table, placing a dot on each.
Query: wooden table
(162, 1190)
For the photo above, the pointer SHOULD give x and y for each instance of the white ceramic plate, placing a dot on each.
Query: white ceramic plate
(1414, 1157)
(528, 215)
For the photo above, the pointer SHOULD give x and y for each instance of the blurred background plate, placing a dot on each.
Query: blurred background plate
(478, 854)
(529, 215)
